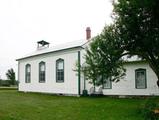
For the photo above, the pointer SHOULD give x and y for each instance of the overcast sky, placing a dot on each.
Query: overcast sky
(24, 22)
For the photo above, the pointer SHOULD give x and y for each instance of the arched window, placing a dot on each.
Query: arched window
(27, 73)
(140, 78)
(60, 70)
(42, 72)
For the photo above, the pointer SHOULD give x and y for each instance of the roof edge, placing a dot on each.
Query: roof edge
(48, 52)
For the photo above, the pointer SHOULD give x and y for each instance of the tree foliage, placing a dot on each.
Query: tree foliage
(103, 58)
(135, 31)
(11, 76)
(137, 23)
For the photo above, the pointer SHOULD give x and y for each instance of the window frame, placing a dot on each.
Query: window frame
(57, 61)
(40, 72)
(139, 70)
(27, 74)
(110, 87)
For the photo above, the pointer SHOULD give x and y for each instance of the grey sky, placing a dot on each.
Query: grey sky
(24, 22)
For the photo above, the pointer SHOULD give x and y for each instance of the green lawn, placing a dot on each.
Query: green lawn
(32, 106)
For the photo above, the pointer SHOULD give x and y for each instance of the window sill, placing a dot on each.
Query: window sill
(106, 88)
(141, 88)
(59, 81)
(41, 82)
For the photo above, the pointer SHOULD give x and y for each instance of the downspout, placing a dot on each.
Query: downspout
(18, 74)
(84, 82)
(79, 73)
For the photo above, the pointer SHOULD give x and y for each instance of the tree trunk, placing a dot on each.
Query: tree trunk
(158, 83)
(94, 86)
(155, 69)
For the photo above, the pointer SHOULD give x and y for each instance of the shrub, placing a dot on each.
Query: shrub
(5, 83)
(149, 110)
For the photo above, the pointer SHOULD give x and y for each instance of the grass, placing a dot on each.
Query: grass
(33, 106)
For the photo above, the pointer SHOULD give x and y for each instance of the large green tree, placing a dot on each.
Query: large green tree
(103, 58)
(135, 31)
(11, 76)
(137, 23)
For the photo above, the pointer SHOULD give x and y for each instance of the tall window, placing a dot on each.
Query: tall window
(60, 70)
(28, 73)
(140, 78)
(42, 72)
(107, 84)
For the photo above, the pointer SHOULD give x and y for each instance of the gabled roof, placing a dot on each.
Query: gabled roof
(69, 45)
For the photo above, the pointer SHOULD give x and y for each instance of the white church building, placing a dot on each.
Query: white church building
(52, 70)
